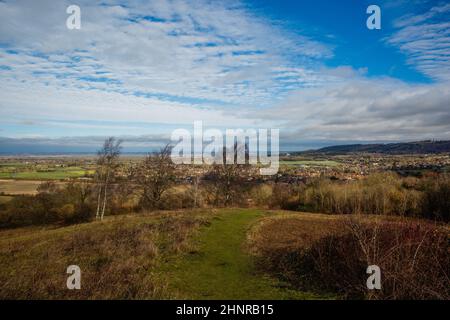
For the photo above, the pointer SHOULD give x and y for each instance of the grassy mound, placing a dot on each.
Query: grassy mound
(118, 257)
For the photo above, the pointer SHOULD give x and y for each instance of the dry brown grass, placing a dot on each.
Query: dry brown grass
(290, 231)
(330, 254)
(16, 187)
(119, 258)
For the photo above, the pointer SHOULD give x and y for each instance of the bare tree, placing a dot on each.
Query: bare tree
(228, 178)
(155, 175)
(107, 163)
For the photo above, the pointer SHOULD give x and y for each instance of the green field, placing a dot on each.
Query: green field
(57, 174)
(322, 163)
(13, 164)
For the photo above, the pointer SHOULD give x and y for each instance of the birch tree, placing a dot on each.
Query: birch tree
(107, 163)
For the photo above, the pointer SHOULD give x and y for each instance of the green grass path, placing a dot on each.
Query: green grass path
(221, 269)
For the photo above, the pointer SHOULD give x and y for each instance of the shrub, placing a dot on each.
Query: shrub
(412, 255)
(226, 184)
(383, 193)
(436, 199)
(67, 212)
(52, 205)
(261, 194)
(285, 196)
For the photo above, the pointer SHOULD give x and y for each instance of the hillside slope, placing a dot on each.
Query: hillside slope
(220, 267)
(418, 147)
(167, 255)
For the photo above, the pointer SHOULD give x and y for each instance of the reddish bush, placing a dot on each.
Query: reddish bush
(413, 258)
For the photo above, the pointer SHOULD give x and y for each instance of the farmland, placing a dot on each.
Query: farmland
(17, 187)
(318, 163)
(46, 175)
(23, 175)
(29, 170)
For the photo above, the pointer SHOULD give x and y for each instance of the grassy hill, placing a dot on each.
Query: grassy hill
(220, 254)
(118, 257)
(221, 267)
(418, 147)
(190, 254)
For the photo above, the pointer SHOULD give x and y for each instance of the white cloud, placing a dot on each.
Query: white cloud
(174, 62)
(425, 39)
(70, 104)
(171, 49)
(358, 108)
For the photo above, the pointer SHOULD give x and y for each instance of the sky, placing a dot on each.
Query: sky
(139, 69)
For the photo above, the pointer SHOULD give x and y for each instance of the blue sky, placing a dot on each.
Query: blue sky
(140, 69)
(341, 27)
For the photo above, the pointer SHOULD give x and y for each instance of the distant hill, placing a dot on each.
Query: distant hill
(418, 147)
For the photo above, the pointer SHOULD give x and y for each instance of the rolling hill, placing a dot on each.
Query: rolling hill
(417, 147)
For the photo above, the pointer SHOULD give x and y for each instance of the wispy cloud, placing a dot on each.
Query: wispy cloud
(203, 52)
(425, 39)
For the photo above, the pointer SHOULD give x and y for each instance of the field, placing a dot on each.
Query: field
(319, 163)
(16, 187)
(23, 176)
(57, 174)
(4, 199)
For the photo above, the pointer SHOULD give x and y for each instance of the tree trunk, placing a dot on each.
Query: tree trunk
(98, 202)
(104, 196)
(195, 191)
